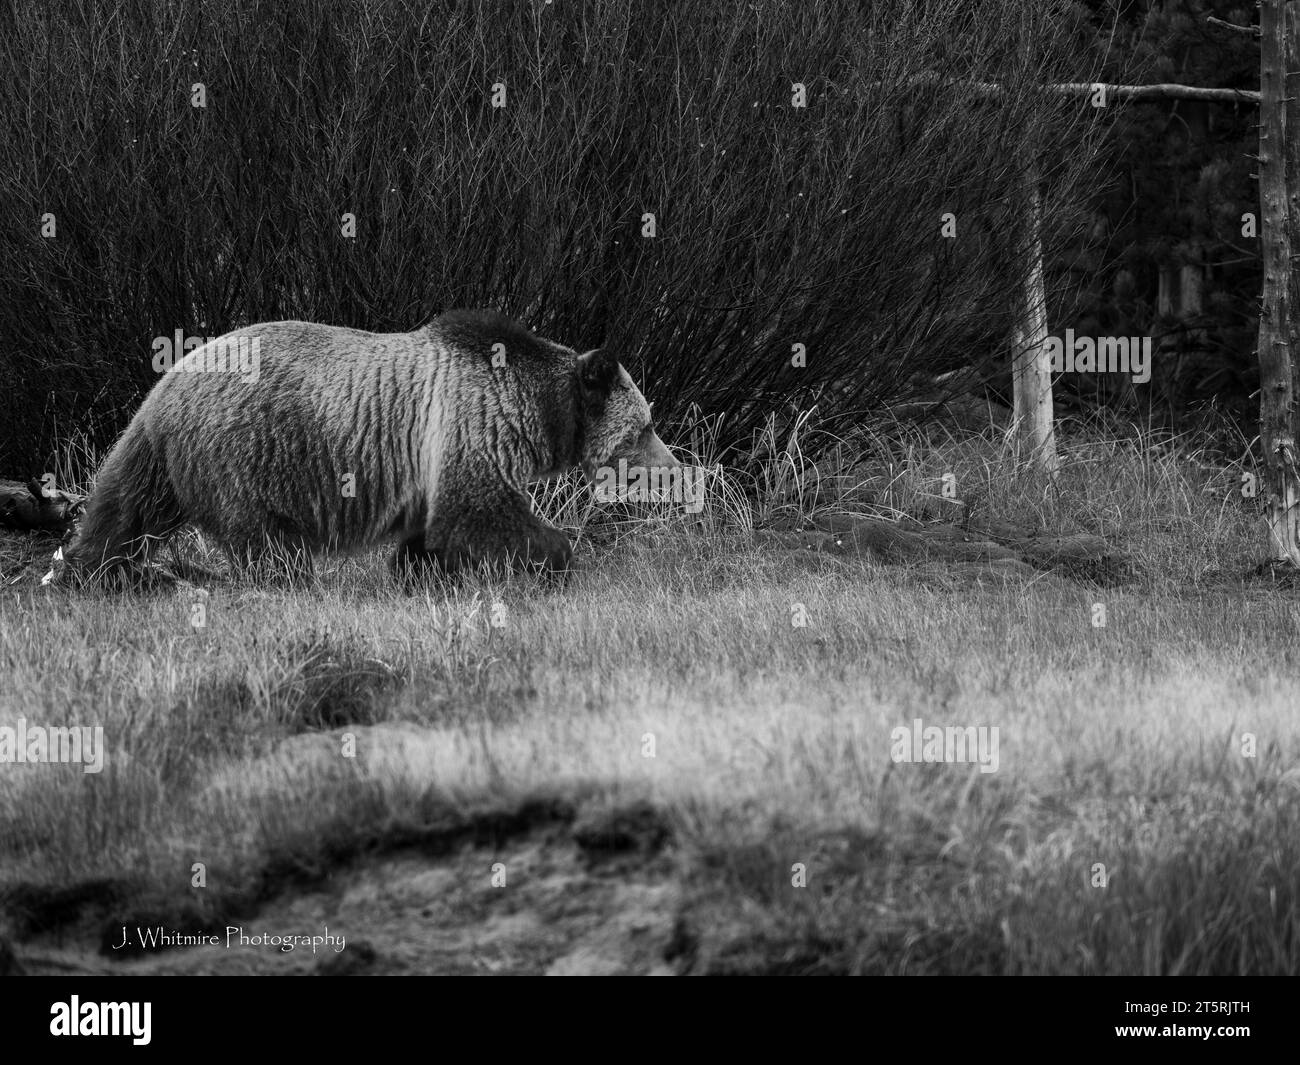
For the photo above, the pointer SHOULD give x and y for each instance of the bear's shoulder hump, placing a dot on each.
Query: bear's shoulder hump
(479, 331)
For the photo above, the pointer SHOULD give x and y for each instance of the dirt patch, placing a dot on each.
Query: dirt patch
(995, 552)
(535, 903)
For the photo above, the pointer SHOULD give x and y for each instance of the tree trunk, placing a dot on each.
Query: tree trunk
(1031, 371)
(1191, 286)
(1281, 490)
(1166, 305)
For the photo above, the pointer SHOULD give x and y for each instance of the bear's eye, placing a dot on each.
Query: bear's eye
(632, 440)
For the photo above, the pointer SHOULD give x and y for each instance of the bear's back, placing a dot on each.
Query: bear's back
(295, 357)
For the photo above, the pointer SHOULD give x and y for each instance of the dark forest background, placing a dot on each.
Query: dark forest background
(775, 225)
(1168, 258)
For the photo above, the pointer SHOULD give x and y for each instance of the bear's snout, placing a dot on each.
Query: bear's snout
(657, 455)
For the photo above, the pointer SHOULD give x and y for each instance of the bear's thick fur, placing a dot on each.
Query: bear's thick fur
(337, 439)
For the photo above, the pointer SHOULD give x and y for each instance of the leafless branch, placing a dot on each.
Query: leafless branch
(1251, 30)
(1164, 91)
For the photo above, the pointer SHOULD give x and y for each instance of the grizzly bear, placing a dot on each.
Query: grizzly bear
(330, 438)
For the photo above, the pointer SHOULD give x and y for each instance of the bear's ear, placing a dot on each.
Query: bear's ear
(597, 371)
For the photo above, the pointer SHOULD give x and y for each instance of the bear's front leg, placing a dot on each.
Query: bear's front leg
(492, 532)
(518, 540)
(412, 561)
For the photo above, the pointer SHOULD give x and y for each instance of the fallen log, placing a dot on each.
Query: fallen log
(34, 507)
(997, 546)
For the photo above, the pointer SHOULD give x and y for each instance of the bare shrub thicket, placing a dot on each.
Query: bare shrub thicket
(775, 225)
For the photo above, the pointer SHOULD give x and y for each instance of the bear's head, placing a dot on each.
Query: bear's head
(615, 424)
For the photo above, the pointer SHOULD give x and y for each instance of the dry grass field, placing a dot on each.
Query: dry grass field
(654, 767)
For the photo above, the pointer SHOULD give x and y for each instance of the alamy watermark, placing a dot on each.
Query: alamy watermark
(651, 484)
(77, 1018)
(83, 745)
(1130, 355)
(951, 743)
(226, 354)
